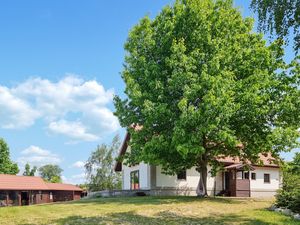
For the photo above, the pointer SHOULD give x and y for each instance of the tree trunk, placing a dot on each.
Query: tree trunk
(202, 184)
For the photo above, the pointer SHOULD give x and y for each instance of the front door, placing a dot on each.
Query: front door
(227, 183)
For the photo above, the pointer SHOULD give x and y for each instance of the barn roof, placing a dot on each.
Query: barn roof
(62, 187)
(14, 182)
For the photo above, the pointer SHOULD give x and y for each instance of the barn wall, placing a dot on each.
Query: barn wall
(60, 196)
(77, 195)
(41, 197)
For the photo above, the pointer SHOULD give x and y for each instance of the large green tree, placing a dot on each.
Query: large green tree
(6, 165)
(100, 167)
(280, 18)
(202, 84)
(51, 173)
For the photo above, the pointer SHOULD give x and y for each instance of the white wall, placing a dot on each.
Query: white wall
(259, 188)
(192, 179)
(144, 175)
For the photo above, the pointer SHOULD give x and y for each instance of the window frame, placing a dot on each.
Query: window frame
(269, 178)
(135, 174)
(178, 175)
(253, 178)
(244, 175)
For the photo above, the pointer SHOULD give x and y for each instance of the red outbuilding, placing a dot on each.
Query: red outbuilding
(27, 190)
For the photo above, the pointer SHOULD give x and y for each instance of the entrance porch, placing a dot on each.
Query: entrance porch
(236, 180)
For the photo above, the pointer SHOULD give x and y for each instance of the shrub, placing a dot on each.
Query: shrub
(289, 195)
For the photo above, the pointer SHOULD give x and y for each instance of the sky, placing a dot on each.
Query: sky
(60, 65)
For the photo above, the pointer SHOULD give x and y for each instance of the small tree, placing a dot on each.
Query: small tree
(51, 173)
(100, 167)
(28, 171)
(6, 165)
(203, 84)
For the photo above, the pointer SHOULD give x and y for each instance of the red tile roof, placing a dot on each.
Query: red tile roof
(26, 183)
(13, 182)
(62, 187)
(266, 159)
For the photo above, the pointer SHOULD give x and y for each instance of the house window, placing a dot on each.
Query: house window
(266, 178)
(181, 175)
(134, 180)
(246, 175)
(253, 176)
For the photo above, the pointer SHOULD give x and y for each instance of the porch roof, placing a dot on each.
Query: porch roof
(239, 166)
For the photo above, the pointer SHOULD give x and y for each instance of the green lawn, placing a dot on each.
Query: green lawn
(147, 210)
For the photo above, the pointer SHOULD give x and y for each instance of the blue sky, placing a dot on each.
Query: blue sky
(60, 64)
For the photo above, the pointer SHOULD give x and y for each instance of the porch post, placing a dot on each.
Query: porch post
(19, 198)
(152, 177)
(7, 198)
(223, 185)
(29, 197)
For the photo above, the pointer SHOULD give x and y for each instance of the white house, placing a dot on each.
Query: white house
(260, 181)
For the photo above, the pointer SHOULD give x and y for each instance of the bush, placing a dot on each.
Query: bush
(289, 195)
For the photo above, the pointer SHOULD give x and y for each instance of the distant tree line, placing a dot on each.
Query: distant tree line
(28, 171)
(50, 173)
(7, 166)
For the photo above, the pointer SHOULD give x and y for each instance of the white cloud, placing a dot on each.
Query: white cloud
(79, 176)
(72, 107)
(15, 112)
(78, 164)
(75, 179)
(75, 130)
(37, 156)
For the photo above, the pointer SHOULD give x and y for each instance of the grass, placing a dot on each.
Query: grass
(147, 210)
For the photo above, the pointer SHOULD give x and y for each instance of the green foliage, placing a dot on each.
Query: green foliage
(28, 171)
(279, 17)
(6, 165)
(83, 186)
(200, 82)
(55, 179)
(100, 167)
(51, 173)
(289, 195)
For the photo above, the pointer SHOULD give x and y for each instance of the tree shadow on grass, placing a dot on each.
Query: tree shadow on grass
(149, 200)
(164, 217)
